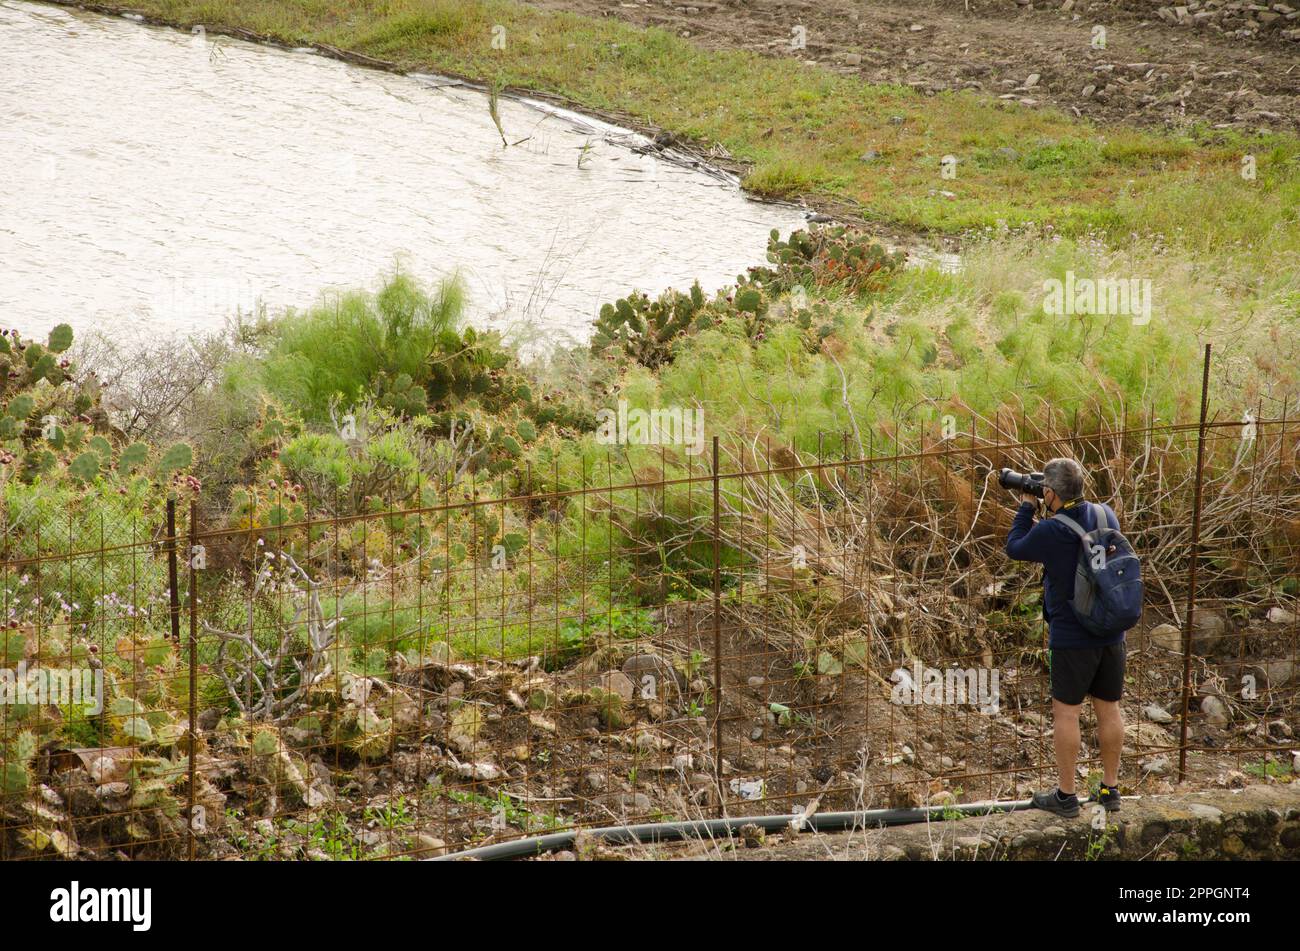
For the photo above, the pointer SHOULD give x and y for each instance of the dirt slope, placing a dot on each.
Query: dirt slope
(1226, 63)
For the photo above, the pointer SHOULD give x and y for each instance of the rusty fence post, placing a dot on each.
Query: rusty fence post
(717, 635)
(1191, 573)
(194, 671)
(173, 595)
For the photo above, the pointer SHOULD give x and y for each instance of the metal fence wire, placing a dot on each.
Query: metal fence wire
(746, 631)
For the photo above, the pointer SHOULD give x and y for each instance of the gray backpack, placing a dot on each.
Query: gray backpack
(1108, 591)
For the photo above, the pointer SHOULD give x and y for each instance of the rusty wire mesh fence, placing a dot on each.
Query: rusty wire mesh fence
(743, 631)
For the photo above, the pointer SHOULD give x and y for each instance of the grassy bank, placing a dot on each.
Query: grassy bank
(803, 131)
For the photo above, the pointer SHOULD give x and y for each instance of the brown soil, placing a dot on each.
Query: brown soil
(1231, 67)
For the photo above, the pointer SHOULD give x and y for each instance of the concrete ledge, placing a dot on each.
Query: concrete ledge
(1258, 822)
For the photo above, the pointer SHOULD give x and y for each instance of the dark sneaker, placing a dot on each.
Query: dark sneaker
(1051, 801)
(1108, 796)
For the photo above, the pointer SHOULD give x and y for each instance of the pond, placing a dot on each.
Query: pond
(160, 182)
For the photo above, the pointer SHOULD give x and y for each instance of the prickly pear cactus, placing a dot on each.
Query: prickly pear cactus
(826, 256)
(402, 395)
(15, 765)
(177, 457)
(647, 330)
(25, 363)
(50, 420)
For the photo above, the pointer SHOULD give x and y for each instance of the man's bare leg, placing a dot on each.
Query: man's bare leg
(1065, 736)
(1110, 735)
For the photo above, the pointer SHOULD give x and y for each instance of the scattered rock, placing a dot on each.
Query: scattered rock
(1204, 812)
(1279, 673)
(1208, 627)
(428, 846)
(1215, 711)
(1278, 730)
(638, 803)
(1157, 714)
(1157, 766)
(647, 742)
(541, 722)
(1142, 734)
(1280, 616)
(617, 683)
(1166, 636)
(485, 772)
(1233, 779)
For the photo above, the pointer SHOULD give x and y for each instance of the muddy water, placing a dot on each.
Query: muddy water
(156, 181)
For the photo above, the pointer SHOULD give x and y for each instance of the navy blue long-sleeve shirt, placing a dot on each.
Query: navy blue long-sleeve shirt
(1056, 546)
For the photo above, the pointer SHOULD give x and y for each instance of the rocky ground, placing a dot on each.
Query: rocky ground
(1228, 63)
(448, 755)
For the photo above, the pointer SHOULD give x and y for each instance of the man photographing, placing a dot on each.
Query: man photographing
(1086, 659)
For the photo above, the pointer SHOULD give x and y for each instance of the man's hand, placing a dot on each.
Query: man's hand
(1031, 499)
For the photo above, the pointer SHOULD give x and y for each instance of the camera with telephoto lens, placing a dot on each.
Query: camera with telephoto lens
(1027, 482)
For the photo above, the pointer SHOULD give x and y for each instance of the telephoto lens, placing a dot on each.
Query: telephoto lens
(1031, 482)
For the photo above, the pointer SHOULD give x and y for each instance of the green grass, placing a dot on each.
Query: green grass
(1268, 769)
(978, 342)
(802, 130)
(338, 349)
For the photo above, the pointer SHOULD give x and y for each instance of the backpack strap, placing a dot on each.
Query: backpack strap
(1099, 514)
(1078, 529)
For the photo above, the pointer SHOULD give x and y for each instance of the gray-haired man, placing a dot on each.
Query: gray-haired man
(1081, 663)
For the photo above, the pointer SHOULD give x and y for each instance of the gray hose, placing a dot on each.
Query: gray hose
(676, 831)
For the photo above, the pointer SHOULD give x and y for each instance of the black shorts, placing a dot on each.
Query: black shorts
(1079, 672)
